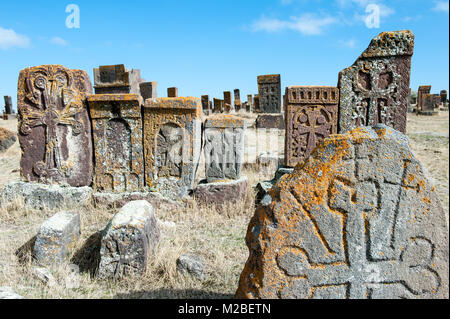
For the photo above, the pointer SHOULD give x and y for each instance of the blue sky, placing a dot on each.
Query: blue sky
(207, 47)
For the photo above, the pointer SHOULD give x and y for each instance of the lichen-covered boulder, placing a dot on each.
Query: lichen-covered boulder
(57, 238)
(358, 220)
(7, 139)
(131, 235)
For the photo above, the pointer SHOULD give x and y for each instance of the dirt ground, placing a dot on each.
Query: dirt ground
(217, 237)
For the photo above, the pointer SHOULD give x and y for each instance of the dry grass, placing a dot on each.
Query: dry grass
(215, 236)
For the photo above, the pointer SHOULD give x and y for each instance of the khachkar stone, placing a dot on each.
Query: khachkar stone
(227, 103)
(224, 147)
(116, 79)
(269, 88)
(8, 105)
(424, 89)
(375, 88)
(311, 115)
(256, 104)
(149, 90)
(172, 92)
(54, 127)
(237, 100)
(117, 135)
(359, 220)
(218, 106)
(443, 96)
(205, 104)
(250, 101)
(172, 142)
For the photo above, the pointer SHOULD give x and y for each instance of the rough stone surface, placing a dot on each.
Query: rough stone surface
(224, 147)
(172, 92)
(375, 88)
(9, 293)
(8, 104)
(7, 139)
(358, 220)
(117, 135)
(221, 193)
(54, 127)
(311, 115)
(116, 79)
(40, 196)
(443, 95)
(421, 92)
(237, 100)
(172, 140)
(191, 264)
(118, 200)
(57, 238)
(149, 90)
(263, 196)
(256, 104)
(205, 104)
(269, 89)
(227, 102)
(271, 121)
(218, 106)
(128, 240)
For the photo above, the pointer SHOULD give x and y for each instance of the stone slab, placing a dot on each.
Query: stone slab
(269, 89)
(271, 121)
(220, 194)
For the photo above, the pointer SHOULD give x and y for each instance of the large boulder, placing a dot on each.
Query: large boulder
(128, 240)
(358, 220)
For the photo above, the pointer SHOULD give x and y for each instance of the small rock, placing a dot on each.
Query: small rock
(131, 235)
(57, 238)
(191, 264)
(44, 275)
(9, 293)
(39, 196)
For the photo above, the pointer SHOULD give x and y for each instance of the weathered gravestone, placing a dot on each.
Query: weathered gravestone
(237, 100)
(227, 103)
(54, 127)
(128, 240)
(8, 105)
(375, 88)
(311, 115)
(423, 90)
(250, 101)
(116, 79)
(270, 121)
(117, 135)
(269, 89)
(218, 106)
(428, 104)
(224, 147)
(149, 90)
(436, 100)
(256, 104)
(359, 220)
(172, 92)
(172, 142)
(444, 96)
(205, 104)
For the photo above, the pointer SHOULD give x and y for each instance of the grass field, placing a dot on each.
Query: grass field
(217, 237)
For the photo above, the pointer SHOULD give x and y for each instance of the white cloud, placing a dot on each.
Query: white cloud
(441, 6)
(58, 41)
(307, 24)
(10, 39)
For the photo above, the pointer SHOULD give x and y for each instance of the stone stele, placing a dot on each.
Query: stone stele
(116, 79)
(172, 141)
(311, 115)
(128, 240)
(54, 127)
(117, 135)
(269, 89)
(224, 147)
(358, 220)
(375, 88)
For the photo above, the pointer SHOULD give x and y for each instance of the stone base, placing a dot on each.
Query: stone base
(40, 196)
(113, 200)
(428, 113)
(220, 193)
(272, 120)
(7, 117)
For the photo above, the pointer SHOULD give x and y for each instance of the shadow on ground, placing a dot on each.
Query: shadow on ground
(174, 294)
(88, 256)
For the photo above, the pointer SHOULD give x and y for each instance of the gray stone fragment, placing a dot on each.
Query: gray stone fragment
(9, 293)
(131, 235)
(221, 193)
(191, 264)
(118, 200)
(57, 238)
(44, 275)
(40, 196)
(359, 220)
(262, 197)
